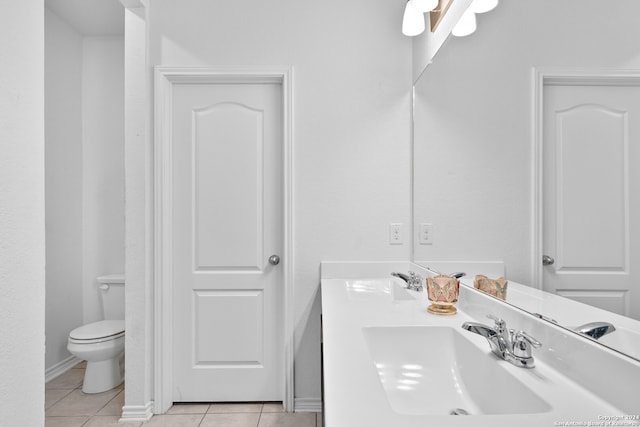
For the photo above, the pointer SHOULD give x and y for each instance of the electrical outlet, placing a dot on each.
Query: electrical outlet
(395, 234)
(425, 236)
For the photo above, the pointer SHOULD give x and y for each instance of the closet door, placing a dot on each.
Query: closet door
(226, 159)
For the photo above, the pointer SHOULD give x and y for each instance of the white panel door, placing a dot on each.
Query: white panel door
(227, 222)
(591, 195)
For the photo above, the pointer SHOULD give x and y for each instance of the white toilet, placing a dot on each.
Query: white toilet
(101, 343)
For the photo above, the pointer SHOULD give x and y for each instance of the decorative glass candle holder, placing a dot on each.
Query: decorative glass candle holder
(496, 288)
(443, 294)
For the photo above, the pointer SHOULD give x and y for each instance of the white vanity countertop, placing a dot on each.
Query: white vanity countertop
(354, 395)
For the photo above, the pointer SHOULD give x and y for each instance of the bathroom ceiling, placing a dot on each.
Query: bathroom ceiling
(90, 17)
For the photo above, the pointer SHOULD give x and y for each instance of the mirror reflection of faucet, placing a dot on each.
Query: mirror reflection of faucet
(596, 330)
(437, 273)
(414, 281)
(507, 344)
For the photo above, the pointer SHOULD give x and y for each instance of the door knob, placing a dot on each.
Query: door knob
(274, 260)
(547, 260)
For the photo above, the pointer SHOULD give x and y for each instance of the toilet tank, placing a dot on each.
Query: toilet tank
(111, 288)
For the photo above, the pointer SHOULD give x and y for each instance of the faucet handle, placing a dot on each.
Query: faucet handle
(522, 343)
(500, 324)
(531, 340)
(415, 281)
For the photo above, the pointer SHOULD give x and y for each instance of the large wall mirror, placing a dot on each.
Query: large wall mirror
(526, 143)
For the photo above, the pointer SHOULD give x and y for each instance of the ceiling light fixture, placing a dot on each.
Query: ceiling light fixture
(413, 22)
(466, 25)
(426, 5)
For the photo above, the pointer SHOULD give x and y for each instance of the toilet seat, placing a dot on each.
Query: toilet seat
(104, 330)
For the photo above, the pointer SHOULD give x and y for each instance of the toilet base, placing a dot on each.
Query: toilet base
(102, 375)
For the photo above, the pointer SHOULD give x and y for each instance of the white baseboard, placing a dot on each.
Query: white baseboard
(145, 412)
(60, 368)
(137, 412)
(307, 404)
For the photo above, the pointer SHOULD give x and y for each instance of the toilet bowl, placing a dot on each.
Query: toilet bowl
(101, 343)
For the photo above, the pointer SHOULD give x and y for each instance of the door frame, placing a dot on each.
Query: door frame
(566, 76)
(165, 79)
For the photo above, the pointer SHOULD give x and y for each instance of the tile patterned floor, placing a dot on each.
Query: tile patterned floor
(67, 406)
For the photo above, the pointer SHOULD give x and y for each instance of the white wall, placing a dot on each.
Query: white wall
(22, 235)
(84, 176)
(102, 166)
(63, 184)
(352, 77)
(473, 132)
(139, 249)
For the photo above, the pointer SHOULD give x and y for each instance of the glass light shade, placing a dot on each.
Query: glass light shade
(425, 6)
(482, 6)
(413, 20)
(466, 25)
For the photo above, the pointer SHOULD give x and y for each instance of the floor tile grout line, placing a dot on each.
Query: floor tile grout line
(59, 399)
(109, 401)
(202, 419)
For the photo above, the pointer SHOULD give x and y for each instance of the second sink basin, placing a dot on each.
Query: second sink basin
(387, 288)
(429, 370)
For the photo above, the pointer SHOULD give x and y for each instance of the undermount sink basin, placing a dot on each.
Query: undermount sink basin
(433, 370)
(381, 288)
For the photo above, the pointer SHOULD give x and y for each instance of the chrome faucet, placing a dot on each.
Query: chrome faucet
(507, 344)
(437, 273)
(413, 280)
(596, 329)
